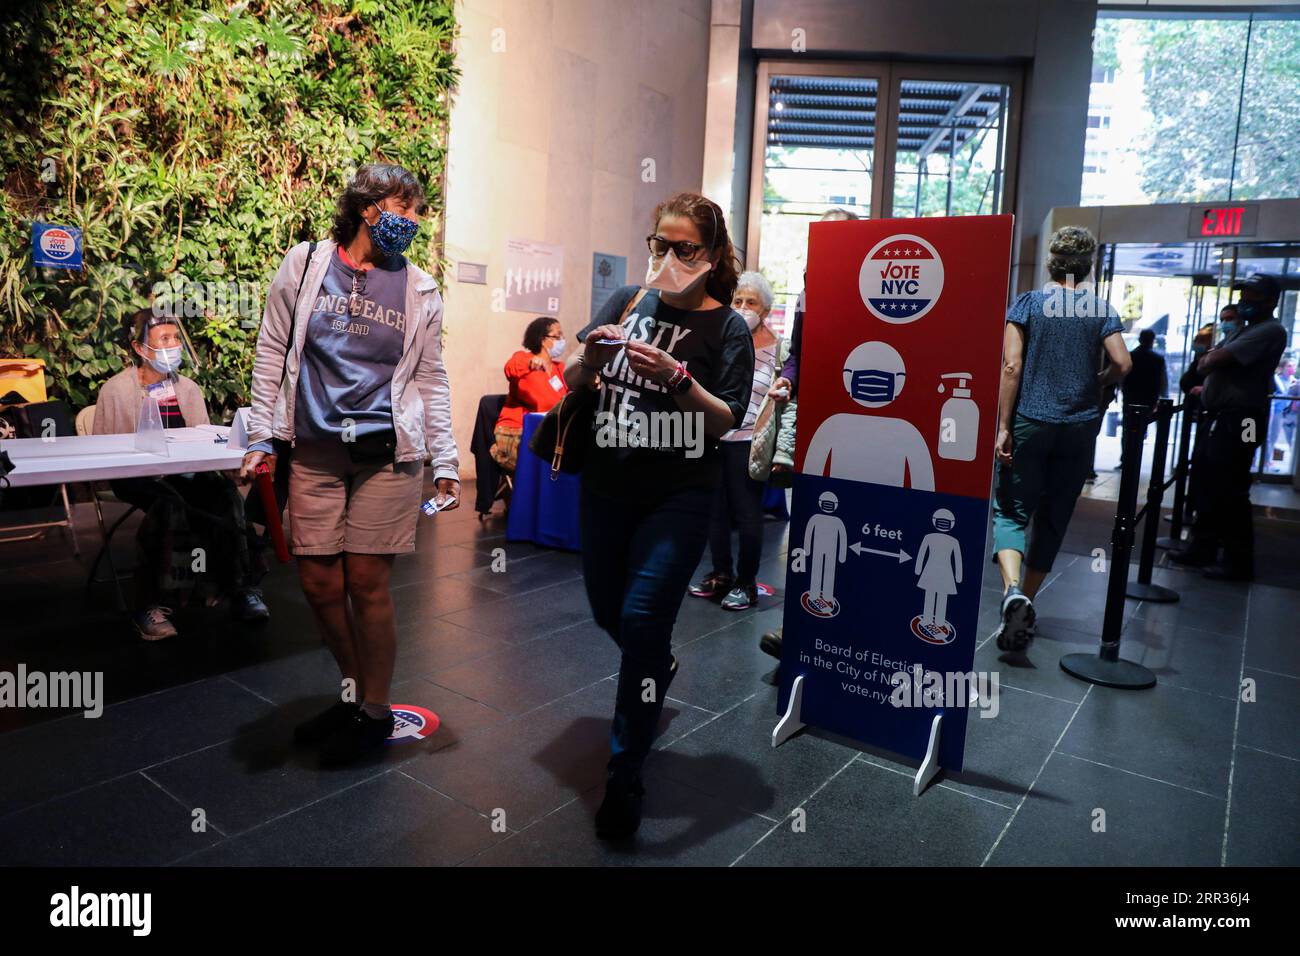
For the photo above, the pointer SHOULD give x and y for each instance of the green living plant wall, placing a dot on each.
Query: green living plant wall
(193, 143)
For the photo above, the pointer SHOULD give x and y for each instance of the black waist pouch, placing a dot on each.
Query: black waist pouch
(374, 448)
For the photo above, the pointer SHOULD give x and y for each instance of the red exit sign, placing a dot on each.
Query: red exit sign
(1211, 222)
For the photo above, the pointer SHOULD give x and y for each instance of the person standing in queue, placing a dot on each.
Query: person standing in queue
(1238, 382)
(1048, 403)
(786, 388)
(1189, 384)
(739, 502)
(678, 355)
(1147, 382)
(349, 370)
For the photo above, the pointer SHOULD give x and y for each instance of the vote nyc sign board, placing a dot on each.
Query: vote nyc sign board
(56, 247)
(898, 393)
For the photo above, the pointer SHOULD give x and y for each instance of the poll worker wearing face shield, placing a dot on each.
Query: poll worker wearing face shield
(534, 381)
(207, 505)
(738, 504)
(1238, 382)
(354, 383)
(1049, 402)
(677, 360)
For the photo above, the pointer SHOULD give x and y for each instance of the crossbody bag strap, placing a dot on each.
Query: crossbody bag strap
(564, 422)
(293, 316)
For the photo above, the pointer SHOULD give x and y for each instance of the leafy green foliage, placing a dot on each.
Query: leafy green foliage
(1192, 73)
(197, 141)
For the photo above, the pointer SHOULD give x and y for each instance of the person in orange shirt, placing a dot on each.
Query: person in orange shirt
(536, 382)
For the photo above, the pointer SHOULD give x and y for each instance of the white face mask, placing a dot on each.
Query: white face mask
(751, 318)
(557, 349)
(675, 277)
(165, 361)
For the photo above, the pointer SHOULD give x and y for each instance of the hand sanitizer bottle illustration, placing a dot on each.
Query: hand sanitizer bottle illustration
(959, 422)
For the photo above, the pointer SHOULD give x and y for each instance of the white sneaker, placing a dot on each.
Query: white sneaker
(153, 623)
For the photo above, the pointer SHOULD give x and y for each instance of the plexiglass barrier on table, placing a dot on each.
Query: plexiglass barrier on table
(149, 435)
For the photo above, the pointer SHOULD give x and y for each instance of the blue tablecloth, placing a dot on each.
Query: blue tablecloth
(541, 510)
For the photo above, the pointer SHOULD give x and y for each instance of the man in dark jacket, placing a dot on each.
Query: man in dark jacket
(1238, 382)
(1148, 381)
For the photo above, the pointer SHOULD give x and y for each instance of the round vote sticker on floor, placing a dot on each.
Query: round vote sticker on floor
(901, 279)
(412, 723)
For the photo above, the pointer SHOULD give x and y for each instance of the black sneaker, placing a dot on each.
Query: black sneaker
(248, 607)
(325, 724)
(741, 598)
(712, 586)
(1018, 619)
(770, 644)
(358, 737)
(619, 815)
(1225, 572)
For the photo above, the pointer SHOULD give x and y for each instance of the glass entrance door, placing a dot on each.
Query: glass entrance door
(1178, 289)
(876, 140)
(951, 141)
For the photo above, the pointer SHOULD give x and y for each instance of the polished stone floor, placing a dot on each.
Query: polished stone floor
(197, 730)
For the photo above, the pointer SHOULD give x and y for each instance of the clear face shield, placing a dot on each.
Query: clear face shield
(168, 350)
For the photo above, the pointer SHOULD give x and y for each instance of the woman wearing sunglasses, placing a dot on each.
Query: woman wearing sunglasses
(349, 370)
(674, 364)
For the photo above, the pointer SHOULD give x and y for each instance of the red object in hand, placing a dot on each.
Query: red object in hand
(266, 488)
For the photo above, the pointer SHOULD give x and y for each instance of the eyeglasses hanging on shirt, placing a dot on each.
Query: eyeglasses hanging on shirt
(358, 289)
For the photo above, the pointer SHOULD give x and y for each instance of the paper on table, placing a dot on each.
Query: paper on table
(189, 434)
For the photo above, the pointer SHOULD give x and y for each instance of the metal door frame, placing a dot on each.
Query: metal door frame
(889, 76)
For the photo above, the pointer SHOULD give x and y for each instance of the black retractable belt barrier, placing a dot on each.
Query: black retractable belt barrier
(1106, 667)
(1142, 588)
(1182, 475)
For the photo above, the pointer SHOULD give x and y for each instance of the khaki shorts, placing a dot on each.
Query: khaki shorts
(338, 505)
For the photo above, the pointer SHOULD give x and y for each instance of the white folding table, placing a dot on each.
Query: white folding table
(74, 458)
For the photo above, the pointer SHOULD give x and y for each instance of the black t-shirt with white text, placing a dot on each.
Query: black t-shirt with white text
(644, 446)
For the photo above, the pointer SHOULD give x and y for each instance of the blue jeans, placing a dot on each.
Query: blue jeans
(637, 560)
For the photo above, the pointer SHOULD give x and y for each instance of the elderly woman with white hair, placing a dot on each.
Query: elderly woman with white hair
(738, 504)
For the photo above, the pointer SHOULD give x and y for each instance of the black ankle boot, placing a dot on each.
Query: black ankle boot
(619, 815)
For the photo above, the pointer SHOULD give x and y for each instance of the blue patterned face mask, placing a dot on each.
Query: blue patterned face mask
(392, 233)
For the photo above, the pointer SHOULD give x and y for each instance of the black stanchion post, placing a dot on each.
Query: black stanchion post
(1106, 667)
(1182, 470)
(1142, 588)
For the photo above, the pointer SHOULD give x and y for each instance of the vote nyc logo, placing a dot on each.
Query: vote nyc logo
(901, 279)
